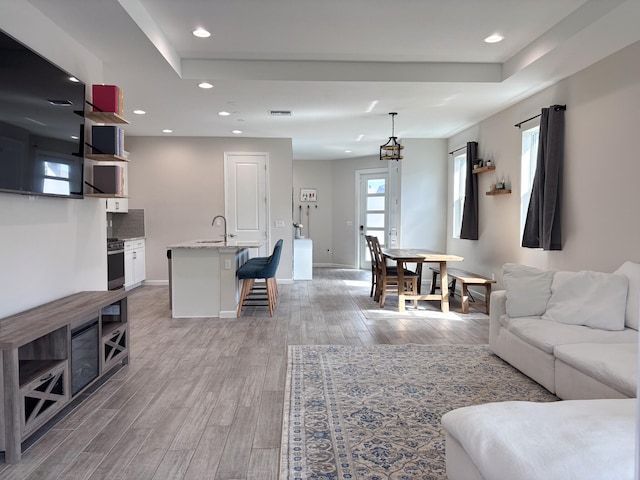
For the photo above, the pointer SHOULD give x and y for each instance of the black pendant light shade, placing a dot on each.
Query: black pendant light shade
(392, 149)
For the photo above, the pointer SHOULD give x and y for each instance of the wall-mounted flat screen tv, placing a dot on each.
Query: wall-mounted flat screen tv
(41, 124)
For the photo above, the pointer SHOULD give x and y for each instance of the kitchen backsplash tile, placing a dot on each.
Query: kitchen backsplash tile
(129, 225)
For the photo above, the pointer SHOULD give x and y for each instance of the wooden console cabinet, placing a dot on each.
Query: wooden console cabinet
(36, 361)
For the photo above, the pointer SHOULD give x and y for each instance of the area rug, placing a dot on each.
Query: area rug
(373, 413)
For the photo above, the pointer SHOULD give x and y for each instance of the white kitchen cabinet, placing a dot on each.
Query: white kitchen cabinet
(134, 263)
(117, 205)
(302, 259)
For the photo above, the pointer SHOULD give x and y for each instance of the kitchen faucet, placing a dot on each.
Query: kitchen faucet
(225, 224)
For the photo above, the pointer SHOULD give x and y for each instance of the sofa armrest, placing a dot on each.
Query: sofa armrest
(497, 309)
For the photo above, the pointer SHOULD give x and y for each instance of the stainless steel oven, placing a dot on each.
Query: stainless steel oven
(115, 263)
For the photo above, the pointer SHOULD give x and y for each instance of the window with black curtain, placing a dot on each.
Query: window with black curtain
(469, 230)
(542, 228)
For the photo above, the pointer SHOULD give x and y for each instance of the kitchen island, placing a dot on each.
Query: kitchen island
(203, 280)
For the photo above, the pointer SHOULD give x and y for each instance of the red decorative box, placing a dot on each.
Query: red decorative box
(107, 98)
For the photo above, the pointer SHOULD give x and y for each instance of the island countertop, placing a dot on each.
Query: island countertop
(219, 244)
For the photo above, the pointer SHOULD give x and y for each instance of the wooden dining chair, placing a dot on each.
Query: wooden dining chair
(374, 266)
(387, 277)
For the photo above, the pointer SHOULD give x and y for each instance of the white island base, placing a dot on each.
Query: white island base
(203, 278)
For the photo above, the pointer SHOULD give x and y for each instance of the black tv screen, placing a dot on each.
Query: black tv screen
(41, 124)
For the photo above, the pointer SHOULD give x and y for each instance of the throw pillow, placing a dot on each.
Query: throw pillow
(528, 289)
(631, 270)
(594, 299)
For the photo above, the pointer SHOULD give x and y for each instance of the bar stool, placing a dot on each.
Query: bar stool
(256, 269)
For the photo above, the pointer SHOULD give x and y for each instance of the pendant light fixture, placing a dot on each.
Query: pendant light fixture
(392, 149)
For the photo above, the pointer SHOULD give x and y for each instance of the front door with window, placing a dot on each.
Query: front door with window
(374, 209)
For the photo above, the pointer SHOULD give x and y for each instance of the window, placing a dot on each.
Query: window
(56, 178)
(527, 170)
(459, 184)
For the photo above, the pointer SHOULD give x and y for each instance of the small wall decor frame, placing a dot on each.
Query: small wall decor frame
(308, 195)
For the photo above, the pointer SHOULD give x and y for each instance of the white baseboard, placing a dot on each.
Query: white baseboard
(333, 265)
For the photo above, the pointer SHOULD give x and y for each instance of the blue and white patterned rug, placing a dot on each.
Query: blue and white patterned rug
(373, 413)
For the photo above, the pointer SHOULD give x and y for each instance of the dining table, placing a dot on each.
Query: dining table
(420, 256)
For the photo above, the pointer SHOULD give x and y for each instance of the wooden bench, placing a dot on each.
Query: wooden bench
(465, 278)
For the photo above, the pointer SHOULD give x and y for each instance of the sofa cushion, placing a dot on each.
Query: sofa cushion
(615, 365)
(592, 439)
(547, 334)
(593, 299)
(631, 270)
(528, 289)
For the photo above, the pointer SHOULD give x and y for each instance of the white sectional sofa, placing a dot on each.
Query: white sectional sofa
(575, 333)
(568, 440)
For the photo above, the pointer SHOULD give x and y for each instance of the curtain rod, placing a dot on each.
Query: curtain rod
(555, 107)
(457, 150)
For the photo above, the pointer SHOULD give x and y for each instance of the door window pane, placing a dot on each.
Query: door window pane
(376, 185)
(375, 203)
(375, 220)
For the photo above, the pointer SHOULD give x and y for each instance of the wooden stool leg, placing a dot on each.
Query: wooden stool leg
(247, 285)
(271, 294)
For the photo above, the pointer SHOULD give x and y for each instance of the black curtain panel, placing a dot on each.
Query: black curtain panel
(542, 228)
(469, 230)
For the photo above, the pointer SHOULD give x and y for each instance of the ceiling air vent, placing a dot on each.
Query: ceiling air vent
(280, 113)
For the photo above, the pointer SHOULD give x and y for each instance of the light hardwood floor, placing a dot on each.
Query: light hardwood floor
(202, 398)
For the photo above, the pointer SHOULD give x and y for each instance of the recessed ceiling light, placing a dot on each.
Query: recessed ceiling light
(360, 137)
(280, 113)
(347, 151)
(224, 114)
(495, 38)
(205, 85)
(372, 105)
(139, 112)
(201, 33)
(167, 130)
(74, 79)
(61, 103)
(237, 132)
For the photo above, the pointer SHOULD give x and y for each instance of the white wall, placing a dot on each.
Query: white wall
(334, 224)
(317, 218)
(179, 182)
(423, 194)
(49, 247)
(346, 234)
(601, 223)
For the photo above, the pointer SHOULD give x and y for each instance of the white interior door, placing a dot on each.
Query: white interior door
(247, 197)
(373, 211)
